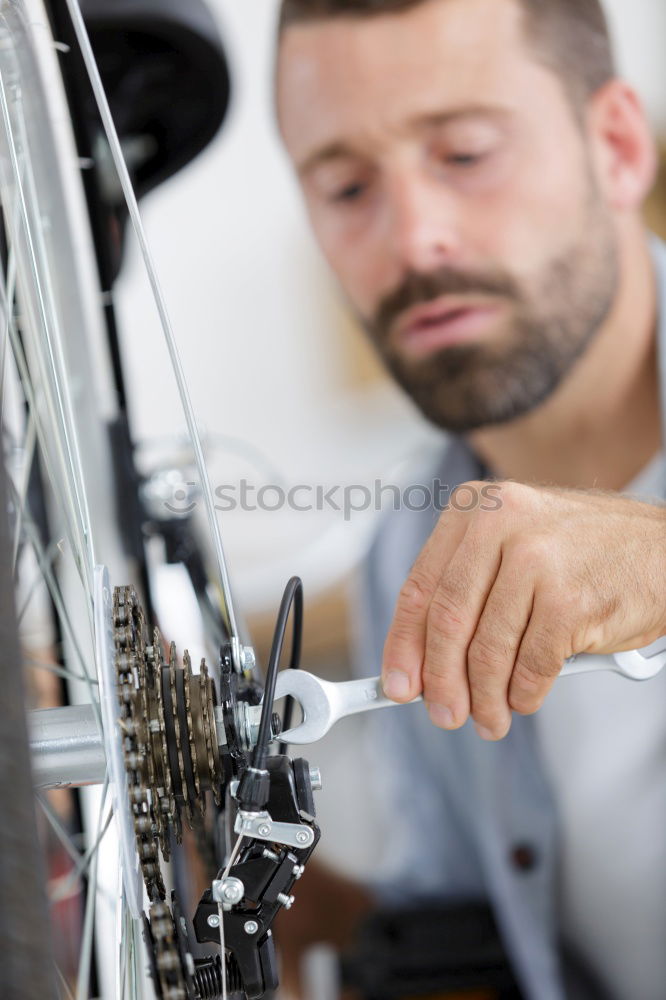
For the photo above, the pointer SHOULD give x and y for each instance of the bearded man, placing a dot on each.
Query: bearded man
(474, 171)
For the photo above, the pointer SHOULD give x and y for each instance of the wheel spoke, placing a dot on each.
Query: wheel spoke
(43, 436)
(67, 882)
(7, 290)
(54, 590)
(58, 828)
(22, 491)
(60, 405)
(63, 982)
(85, 956)
(45, 560)
(52, 668)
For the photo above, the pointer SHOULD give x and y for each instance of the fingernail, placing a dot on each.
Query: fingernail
(396, 684)
(441, 716)
(484, 733)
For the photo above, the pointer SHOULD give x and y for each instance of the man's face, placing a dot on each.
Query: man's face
(452, 191)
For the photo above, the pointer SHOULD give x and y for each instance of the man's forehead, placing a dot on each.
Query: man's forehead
(347, 76)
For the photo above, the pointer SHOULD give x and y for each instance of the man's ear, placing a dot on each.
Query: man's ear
(624, 149)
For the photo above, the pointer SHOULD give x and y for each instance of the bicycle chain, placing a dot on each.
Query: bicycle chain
(167, 964)
(131, 677)
(169, 736)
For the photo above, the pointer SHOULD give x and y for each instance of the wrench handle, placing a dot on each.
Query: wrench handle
(364, 695)
(635, 665)
(352, 697)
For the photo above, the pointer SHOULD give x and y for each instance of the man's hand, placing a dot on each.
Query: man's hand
(502, 594)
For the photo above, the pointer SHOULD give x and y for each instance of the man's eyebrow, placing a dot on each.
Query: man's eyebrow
(335, 150)
(338, 149)
(435, 118)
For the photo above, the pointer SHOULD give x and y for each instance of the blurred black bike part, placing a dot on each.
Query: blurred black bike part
(436, 951)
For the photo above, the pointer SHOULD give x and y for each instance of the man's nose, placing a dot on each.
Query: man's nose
(423, 223)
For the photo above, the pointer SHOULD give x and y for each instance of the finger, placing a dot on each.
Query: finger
(493, 651)
(404, 648)
(541, 655)
(452, 620)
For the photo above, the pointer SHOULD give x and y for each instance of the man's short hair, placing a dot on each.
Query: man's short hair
(571, 37)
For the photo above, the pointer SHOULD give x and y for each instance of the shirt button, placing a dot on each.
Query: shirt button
(524, 857)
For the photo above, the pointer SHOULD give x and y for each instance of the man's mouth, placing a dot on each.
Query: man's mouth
(445, 322)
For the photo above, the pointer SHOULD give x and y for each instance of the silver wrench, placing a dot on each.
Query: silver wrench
(323, 703)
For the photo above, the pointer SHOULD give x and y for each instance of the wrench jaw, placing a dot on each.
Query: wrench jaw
(317, 702)
(643, 664)
(636, 665)
(323, 703)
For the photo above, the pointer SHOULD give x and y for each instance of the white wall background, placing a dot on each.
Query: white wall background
(639, 30)
(258, 319)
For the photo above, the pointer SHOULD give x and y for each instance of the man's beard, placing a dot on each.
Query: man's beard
(467, 386)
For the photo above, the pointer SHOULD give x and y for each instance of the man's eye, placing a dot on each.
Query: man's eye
(464, 159)
(352, 192)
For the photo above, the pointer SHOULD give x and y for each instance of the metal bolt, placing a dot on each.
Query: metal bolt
(287, 901)
(270, 855)
(229, 892)
(315, 779)
(276, 724)
(247, 658)
(264, 830)
(297, 871)
(250, 926)
(303, 837)
(213, 920)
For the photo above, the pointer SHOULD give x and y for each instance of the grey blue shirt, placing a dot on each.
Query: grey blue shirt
(474, 820)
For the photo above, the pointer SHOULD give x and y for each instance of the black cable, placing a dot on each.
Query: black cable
(254, 787)
(293, 595)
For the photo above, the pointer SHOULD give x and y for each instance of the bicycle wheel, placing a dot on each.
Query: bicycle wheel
(57, 397)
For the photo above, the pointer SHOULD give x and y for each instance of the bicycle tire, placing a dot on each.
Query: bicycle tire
(25, 956)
